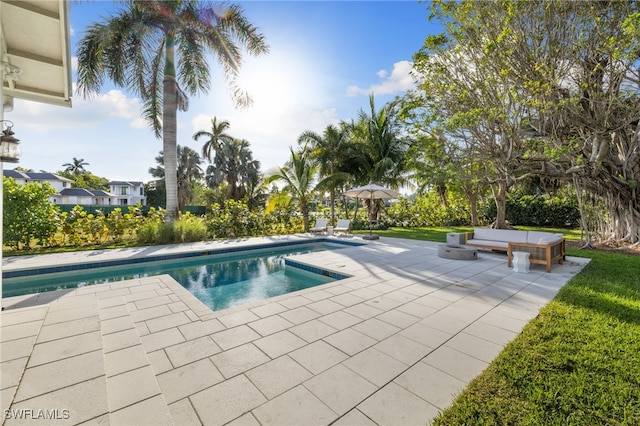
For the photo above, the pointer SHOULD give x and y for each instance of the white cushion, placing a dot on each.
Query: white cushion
(538, 237)
(505, 235)
(491, 243)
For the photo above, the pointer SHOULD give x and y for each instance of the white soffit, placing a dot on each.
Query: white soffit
(35, 45)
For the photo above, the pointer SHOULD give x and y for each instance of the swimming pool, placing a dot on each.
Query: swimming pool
(220, 280)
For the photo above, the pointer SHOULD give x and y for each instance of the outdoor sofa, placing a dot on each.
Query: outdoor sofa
(544, 248)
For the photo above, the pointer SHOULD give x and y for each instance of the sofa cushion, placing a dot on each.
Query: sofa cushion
(504, 235)
(488, 243)
(539, 237)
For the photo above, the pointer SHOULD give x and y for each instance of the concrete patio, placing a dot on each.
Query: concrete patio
(392, 345)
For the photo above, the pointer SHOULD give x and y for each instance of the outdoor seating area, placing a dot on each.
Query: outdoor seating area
(545, 248)
(392, 344)
(321, 226)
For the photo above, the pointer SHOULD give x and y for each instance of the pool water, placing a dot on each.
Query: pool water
(220, 281)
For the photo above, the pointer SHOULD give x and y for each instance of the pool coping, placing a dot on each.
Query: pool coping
(19, 266)
(15, 271)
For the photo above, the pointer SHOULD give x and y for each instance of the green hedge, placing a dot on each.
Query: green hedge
(542, 210)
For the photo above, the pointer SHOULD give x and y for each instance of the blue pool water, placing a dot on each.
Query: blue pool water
(220, 280)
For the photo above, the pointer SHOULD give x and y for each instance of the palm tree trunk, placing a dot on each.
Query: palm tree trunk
(169, 131)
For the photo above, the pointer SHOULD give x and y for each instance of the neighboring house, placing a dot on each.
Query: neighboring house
(122, 193)
(85, 197)
(58, 183)
(79, 196)
(128, 193)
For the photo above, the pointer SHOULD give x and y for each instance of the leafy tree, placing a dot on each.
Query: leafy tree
(76, 167)
(565, 101)
(158, 50)
(189, 172)
(155, 193)
(28, 216)
(91, 181)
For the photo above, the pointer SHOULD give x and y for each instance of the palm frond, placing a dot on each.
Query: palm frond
(91, 60)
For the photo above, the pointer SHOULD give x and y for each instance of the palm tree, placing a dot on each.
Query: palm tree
(216, 136)
(158, 50)
(76, 166)
(233, 164)
(326, 150)
(381, 152)
(299, 177)
(189, 172)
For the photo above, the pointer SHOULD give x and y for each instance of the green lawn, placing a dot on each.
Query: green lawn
(577, 363)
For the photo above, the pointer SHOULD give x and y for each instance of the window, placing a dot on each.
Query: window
(141, 191)
(123, 202)
(124, 190)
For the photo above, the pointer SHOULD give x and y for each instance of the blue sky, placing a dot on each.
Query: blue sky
(326, 57)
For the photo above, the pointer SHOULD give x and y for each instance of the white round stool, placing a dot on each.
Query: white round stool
(521, 261)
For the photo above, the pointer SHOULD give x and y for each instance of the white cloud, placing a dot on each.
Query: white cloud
(85, 113)
(400, 80)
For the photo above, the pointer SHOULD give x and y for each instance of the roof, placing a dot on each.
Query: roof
(127, 183)
(77, 192)
(36, 35)
(16, 174)
(47, 176)
(101, 193)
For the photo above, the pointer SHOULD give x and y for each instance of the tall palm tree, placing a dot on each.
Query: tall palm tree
(76, 166)
(299, 177)
(327, 149)
(158, 50)
(216, 136)
(188, 173)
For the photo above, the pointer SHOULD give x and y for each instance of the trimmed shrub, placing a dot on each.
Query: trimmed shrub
(428, 210)
(538, 210)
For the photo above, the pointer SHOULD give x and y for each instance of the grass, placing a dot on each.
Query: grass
(575, 364)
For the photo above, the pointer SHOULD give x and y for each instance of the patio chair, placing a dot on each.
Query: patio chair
(343, 226)
(321, 226)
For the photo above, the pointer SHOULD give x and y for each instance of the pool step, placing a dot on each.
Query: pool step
(132, 389)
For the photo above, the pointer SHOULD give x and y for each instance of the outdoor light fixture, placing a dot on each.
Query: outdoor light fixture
(9, 145)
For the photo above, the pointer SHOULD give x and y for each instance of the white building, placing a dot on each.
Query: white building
(128, 193)
(120, 194)
(58, 183)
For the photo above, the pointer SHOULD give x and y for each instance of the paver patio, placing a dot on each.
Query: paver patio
(392, 345)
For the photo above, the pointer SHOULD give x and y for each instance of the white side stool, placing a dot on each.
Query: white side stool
(329, 230)
(521, 261)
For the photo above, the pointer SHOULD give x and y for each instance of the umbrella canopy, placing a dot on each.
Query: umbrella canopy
(372, 191)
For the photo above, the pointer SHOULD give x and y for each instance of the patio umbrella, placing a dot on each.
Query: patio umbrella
(372, 192)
